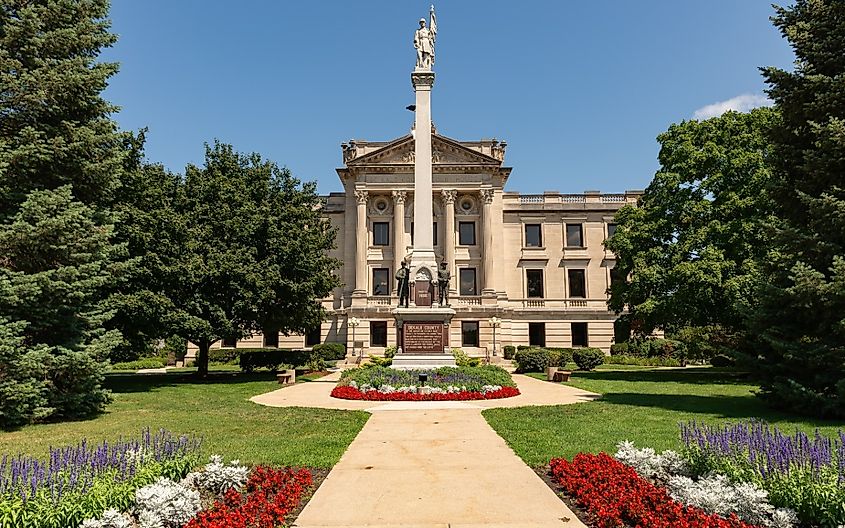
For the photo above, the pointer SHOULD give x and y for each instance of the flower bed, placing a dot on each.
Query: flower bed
(346, 392)
(445, 383)
(76, 482)
(615, 495)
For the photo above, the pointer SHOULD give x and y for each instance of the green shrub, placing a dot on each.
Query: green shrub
(524, 347)
(223, 355)
(722, 360)
(175, 346)
(330, 351)
(271, 358)
(619, 349)
(463, 360)
(390, 351)
(138, 364)
(588, 358)
(531, 359)
(509, 351)
(316, 364)
(376, 361)
(559, 357)
(641, 361)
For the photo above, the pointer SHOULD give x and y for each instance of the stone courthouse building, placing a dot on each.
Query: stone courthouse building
(536, 262)
(526, 268)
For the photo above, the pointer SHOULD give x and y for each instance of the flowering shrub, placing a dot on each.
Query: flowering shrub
(218, 478)
(166, 504)
(717, 494)
(800, 472)
(80, 482)
(465, 378)
(650, 464)
(110, 519)
(347, 392)
(268, 497)
(615, 495)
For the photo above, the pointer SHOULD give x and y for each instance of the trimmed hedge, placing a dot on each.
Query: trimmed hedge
(138, 364)
(330, 351)
(588, 358)
(509, 351)
(223, 355)
(641, 361)
(619, 349)
(272, 358)
(536, 359)
(722, 360)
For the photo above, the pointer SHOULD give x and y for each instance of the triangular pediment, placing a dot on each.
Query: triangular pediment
(444, 151)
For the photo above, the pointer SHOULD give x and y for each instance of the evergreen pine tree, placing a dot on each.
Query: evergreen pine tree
(801, 318)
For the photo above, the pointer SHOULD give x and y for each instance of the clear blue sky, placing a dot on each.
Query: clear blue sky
(578, 89)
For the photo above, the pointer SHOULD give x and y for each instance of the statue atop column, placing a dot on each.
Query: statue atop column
(444, 277)
(424, 39)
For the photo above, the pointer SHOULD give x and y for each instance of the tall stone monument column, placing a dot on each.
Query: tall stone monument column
(398, 229)
(422, 257)
(362, 243)
(449, 196)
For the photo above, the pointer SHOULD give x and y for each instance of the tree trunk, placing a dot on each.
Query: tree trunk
(202, 359)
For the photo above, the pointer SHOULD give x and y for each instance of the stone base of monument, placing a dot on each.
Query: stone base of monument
(423, 338)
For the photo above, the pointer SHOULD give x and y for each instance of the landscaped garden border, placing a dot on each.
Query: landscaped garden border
(443, 384)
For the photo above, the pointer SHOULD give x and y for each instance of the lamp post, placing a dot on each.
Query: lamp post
(495, 322)
(353, 323)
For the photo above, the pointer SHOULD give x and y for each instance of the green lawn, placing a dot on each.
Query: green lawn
(640, 404)
(217, 409)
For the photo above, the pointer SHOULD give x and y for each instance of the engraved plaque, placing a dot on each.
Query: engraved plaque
(424, 337)
(422, 293)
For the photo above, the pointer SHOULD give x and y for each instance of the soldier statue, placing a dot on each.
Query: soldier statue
(444, 277)
(402, 283)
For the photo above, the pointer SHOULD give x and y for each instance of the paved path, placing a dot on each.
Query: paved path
(433, 468)
(317, 394)
(430, 464)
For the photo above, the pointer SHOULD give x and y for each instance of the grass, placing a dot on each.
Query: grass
(217, 409)
(640, 404)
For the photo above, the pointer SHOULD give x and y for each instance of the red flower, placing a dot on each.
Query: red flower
(617, 496)
(345, 392)
(269, 495)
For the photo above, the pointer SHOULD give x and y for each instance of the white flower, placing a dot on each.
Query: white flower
(218, 478)
(166, 504)
(111, 518)
(648, 463)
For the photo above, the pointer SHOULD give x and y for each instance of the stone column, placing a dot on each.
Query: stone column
(449, 196)
(398, 231)
(423, 252)
(487, 249)
(362, 244)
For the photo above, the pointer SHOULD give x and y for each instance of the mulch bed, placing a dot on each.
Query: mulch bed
(544, 473)
(318, 476)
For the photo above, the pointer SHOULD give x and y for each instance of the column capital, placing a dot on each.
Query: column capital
(487, 195)
(449, 196)
(399, 197)
(361, 196)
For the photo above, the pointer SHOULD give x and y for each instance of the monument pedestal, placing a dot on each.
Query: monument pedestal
(423, 338)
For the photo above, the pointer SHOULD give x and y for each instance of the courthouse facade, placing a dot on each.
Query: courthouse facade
(535, 262)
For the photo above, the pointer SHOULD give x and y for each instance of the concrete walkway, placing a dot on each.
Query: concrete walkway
(317, 394)
(430, 464)
(433, 468)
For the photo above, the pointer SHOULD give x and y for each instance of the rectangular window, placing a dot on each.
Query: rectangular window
(466, 233)
(574, 235)
(611, 228)
(537, 334)
(577, 283)
(616, 276)
(313, 337)
(378, 333)
(229, 342)
(271, 338)
(434, 233)
(535, 282)
(469, 333)
(381, 281)
(467, 281)
(412, 233)
(579, 335)
(381, 233)
(533, 235)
